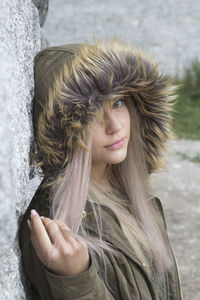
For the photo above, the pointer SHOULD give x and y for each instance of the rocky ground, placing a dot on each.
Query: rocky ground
(178, 186)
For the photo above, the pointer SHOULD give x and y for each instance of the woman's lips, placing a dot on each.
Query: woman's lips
(116, 145)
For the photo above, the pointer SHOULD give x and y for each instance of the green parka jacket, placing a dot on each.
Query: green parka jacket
(127, 276)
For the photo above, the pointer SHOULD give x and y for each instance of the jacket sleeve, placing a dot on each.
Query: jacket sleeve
(87, 285)
(49, 286)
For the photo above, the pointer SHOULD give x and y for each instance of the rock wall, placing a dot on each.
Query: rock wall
(20, 40)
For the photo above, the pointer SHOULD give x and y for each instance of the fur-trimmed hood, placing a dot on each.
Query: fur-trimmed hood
(68, 83)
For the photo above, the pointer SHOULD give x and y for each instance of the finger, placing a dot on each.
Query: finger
(39, 236)
(61, 224)
(54, 232)
(67, 234)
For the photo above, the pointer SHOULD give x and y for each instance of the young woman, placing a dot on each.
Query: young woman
(93, 229)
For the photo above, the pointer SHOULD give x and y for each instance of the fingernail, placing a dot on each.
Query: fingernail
(29, 224)
(42, 217)
(34, 212)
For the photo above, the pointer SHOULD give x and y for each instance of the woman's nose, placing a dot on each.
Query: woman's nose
(112, 122)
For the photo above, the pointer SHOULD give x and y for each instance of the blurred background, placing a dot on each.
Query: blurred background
(167, 29)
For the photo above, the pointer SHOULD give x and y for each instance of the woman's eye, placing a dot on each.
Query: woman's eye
(118, 101)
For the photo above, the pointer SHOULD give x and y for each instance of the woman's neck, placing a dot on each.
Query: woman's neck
(105, 185)
(99, 174)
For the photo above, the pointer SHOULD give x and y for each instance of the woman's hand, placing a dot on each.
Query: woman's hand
(57, 249)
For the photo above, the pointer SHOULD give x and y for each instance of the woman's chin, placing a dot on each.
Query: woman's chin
(117, 158)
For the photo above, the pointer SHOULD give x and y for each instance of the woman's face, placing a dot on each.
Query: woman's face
(115, 127)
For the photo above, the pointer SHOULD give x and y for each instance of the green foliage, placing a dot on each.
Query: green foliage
(195, 159)
(186, 121)
(191, 81)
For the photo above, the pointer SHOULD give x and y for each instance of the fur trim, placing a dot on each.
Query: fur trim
(72, 81)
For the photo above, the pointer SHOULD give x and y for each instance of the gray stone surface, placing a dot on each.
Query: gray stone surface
(42, 7)
(168, 28)
(20, 40)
